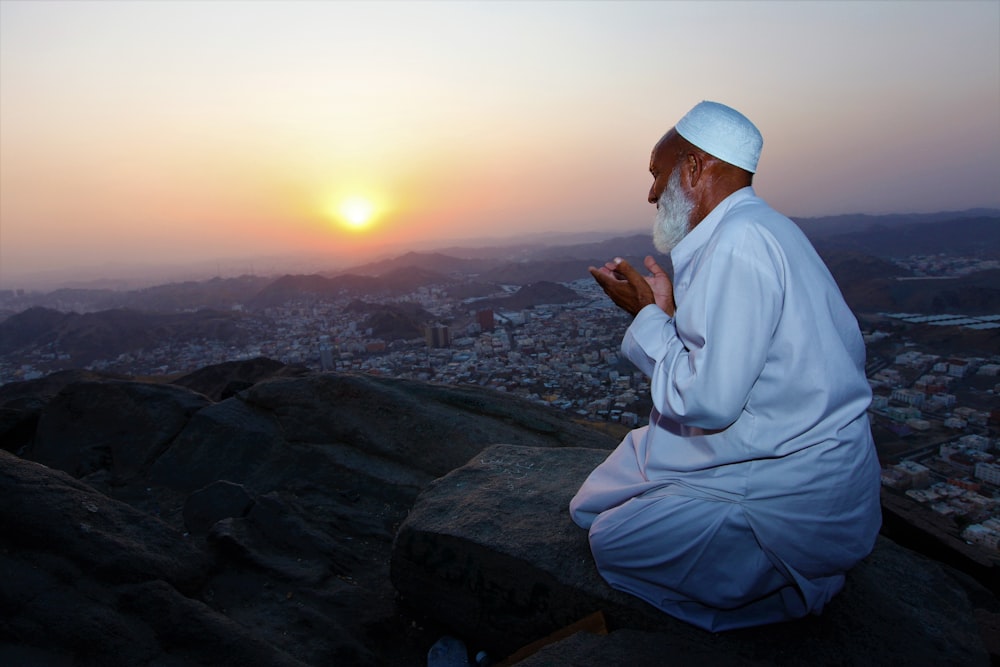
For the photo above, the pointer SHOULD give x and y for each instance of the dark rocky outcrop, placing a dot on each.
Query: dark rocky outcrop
(221, 381)
(91, 581)
(173, 526)
(115, 426)
(217, 501)
(490, 551)
(21, 404)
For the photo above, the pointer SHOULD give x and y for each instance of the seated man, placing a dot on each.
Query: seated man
(755, 486)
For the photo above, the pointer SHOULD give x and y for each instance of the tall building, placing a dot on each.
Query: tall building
(436, 335)
(485, 319)
(325, 354)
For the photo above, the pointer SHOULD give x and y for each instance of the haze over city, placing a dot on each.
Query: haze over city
(158, 134)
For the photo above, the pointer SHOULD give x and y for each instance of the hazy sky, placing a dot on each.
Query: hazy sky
(179, 131)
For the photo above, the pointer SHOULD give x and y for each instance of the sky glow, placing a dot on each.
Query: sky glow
(175, 132)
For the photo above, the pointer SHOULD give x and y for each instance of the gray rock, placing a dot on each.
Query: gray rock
(490, 552)
(21, 404)
(43, 508)
(221, 381)
(228, 440)
(88, 580)
(276, 538)
(118, 426)
(219, 500)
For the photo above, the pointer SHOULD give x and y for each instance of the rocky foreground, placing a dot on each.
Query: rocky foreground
(256, 514)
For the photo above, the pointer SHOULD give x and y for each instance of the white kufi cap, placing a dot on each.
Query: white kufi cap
(723, 132)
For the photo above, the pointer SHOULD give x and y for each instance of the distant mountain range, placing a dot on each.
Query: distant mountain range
(855, 247)
(91, 336)
(858, 223)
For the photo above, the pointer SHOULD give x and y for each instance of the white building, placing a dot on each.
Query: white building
(980, 442)
(958, 367)
(918, 476)
(879, 402)
(988, 472)
(908, 396)
(979, 534)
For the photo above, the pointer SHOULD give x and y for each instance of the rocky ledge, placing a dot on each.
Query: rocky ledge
(259, 515)
(490, 551)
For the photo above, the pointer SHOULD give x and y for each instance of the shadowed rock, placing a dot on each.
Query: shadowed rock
(490, 551)
(43, 507)
(21, 404)
(228, 440)
(219, 500)
(120, 427)
(89, 580)
(258, 531)
(220, 381)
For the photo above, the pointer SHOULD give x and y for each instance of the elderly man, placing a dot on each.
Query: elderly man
(755, 486)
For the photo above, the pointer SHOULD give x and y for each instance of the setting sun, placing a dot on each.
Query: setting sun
(356, 212)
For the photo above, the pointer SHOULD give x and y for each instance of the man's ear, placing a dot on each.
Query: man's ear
(694, 168)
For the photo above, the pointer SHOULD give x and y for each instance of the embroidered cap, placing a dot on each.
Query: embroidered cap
(723, 132)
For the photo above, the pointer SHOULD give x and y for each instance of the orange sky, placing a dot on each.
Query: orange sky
(227, 133)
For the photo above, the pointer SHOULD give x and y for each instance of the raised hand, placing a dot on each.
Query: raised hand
(627, 289)
(663, 289)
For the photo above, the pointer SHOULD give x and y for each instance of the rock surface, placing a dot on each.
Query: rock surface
(255, 530)
(248, 517)
(490, 551)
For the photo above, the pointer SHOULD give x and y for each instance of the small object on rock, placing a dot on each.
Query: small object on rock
(448, 652)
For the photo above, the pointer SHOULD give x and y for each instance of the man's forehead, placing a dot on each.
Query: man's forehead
(660, 149)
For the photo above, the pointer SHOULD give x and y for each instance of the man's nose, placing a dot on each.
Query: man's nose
(652, 198)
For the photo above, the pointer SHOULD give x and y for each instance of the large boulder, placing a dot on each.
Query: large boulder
(21, 404)
(111, 425)
(225, 441)
(490, 552)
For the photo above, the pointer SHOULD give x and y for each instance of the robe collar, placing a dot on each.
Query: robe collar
(690, 245)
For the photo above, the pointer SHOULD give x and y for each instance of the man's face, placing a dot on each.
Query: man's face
(673, 214)
(673, 205)
(662, 162)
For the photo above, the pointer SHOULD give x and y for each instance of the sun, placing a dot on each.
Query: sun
(355, 209)
(355, 212)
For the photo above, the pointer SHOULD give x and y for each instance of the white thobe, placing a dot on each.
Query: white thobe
(755, 486)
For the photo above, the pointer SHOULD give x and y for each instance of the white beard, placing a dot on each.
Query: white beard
(673, 215)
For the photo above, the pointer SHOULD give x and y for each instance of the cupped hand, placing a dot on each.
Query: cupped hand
(627, 289)
(663, 289)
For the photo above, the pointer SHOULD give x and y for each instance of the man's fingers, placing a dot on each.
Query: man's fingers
(602, 276)
(653, 267)
(631, 275)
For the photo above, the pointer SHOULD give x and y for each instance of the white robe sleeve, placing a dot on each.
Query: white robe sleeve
(703, 364)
